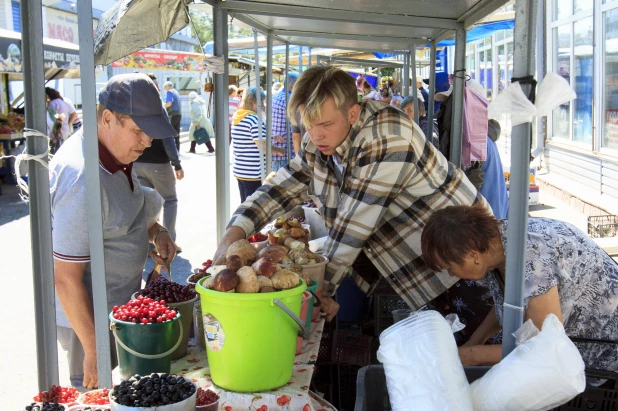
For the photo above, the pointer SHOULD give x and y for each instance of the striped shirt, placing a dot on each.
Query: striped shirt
(246, 153)
(393, 180)
(279, 119)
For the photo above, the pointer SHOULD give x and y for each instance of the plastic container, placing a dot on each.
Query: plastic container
(185, 309)
(304, 313)
(315, 221)
(81, 400)
(401, 314)
(384, 305)
(145, 348)
(185, 405)
(83, 407)
(316, 272)
(251, 338)
(210, 407)
(314, 303)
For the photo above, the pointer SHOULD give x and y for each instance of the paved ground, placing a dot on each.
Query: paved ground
(196, 229)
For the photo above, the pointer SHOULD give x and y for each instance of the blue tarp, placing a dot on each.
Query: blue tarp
(481, 31)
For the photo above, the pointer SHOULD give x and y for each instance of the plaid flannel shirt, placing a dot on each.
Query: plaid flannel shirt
(393, 180)
(279, 120)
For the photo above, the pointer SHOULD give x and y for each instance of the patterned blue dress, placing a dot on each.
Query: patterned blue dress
(558, 254)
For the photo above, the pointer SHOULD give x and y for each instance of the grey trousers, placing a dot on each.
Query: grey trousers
(162, 178)
(75, 353)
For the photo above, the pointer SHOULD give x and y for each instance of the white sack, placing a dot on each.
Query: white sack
(553, 92)
(422, 366)
(540, 374)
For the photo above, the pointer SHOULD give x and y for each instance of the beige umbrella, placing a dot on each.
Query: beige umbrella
(132, 25)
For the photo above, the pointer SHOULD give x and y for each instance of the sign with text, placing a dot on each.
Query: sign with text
(161, 60)
(54, 57)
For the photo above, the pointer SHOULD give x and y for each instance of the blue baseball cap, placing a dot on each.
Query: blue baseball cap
(136, 95)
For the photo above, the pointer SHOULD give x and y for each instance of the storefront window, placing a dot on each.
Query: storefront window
(501, 68)
(562, 9)
(610, 134)
(581, 5)
(582, 107)
(562, 66)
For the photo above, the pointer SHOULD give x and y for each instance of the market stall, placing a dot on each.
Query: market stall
(384, 31)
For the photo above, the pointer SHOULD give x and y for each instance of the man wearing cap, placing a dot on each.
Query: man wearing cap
(129, 116)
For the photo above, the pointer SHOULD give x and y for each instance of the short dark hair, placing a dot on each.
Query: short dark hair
(53, 94)
(454, 231)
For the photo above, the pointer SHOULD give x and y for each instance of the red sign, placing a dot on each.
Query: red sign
(164, 60)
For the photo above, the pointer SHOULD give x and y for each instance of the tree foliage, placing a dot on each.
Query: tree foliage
(203, 28)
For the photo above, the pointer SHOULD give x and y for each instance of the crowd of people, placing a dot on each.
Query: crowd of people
(396, 209)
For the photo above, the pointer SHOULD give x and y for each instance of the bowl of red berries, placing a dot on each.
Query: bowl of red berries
(258, 241)
(200, 273)
(207, 400)
(95, 398)
(65, 396)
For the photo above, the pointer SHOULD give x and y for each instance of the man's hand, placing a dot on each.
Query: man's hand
(91, 376)
(278, 139)
(196, 123)
(180, 174)
(329, 307)
(231, 235)
(165, 249)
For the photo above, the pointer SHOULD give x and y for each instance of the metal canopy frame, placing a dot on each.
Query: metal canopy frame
(444, 17)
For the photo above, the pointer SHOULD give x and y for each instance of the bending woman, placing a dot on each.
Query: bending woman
(566, 274)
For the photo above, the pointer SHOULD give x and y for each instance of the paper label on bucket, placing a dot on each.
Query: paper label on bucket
(215, 336)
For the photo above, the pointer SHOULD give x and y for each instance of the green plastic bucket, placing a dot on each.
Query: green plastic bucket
(145, 348)
(251, 338)
(313, 303)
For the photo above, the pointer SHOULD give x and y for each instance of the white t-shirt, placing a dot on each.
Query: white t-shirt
(61, 107)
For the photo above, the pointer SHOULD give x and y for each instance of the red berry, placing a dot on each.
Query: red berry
(115, 308)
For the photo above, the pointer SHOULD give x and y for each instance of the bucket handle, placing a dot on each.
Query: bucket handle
(303, 331)
(147, 356)
(318, 302)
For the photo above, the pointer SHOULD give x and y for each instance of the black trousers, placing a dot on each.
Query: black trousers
(247, 188)
(175, 121)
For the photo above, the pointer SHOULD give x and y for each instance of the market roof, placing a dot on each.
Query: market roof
(358, 25)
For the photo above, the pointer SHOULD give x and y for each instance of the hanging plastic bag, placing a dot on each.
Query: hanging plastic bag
(540, 374)
(512, 101)
(422, 366)
(553, 92)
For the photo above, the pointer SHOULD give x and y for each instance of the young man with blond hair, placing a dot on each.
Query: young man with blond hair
(376, 180)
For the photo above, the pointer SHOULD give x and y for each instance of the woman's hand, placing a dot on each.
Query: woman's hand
(196, 123)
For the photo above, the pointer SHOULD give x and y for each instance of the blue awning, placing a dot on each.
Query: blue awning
(481, 31)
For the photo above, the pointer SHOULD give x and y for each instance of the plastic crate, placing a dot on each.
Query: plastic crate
(351, 348)
(602, 226)
(326, 344)
(346, 387)
(372, 394)
(383, 306)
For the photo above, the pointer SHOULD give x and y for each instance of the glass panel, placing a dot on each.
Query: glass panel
(509, 63)
(481, 78)
(500, 35)
(582, 107)
(472, 67)
(581, 5)
(562, 9)
(488, 73)
(610, 135)
(501, 68)
(562, 65)
(508, 33)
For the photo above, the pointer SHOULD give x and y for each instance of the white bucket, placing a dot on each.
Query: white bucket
(185, 405)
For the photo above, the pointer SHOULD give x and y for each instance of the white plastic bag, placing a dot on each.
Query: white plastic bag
(540, 374)
(553, 92)
(512, 101)
(422, 366)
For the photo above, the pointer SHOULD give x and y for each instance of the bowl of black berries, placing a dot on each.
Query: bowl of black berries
(162, 392)
(45, 406)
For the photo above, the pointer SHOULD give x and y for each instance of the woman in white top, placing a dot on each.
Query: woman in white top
(57, 103)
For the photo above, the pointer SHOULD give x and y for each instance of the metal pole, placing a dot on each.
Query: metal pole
(222, 130)
(432, 88)
(288, 128)
(300, 59)
(458, 96)
(269, 100)
(40, 210)
(93, 188)
(523, 65)
(412, 58)
(258, 96)
(406, 77)
(309, 64)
